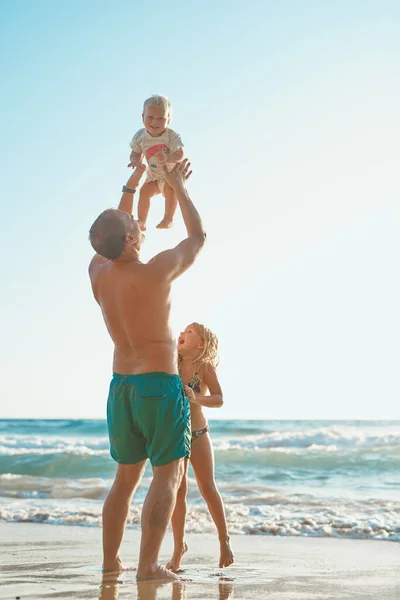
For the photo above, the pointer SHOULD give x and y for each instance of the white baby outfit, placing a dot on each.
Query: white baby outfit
(143, 142)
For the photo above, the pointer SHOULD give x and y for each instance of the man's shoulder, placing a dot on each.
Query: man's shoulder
(96, 263)
(133, 272)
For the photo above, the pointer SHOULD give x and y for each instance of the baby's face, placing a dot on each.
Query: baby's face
(155, 119)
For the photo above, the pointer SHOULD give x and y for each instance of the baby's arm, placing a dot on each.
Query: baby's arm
(136, 156)
(210, 379)
(176, 157)
(135, 159)
(175, 143)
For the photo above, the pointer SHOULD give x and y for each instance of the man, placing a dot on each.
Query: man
(148, 414)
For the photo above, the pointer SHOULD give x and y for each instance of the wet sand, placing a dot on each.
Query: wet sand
(45, 561)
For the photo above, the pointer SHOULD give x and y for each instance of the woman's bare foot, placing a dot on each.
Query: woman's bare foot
(165, 224)
(158, 573)
(116, 567)
(226, 557)
(175, 561)
(142, 225)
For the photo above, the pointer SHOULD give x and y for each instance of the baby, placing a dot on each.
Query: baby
(161, 146)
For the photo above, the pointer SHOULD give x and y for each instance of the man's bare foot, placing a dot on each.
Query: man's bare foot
(175, 561)
(158, 573)
(142, 225)
(226, 557)
(165, 224)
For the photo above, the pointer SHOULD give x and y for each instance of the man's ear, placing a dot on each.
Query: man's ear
(130, 239)
(143, 117)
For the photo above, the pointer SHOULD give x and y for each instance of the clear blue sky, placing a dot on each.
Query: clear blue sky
(290, 114)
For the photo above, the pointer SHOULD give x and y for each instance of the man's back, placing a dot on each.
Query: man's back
(135, 302)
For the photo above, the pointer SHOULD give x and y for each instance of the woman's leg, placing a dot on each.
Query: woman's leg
(202, 459)
(170, 207)
(147, 191)
(178, 524)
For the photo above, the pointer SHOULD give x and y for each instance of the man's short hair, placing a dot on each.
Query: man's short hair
(159, 100)
(108, 233)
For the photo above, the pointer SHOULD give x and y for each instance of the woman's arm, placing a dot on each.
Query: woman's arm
(208, 377)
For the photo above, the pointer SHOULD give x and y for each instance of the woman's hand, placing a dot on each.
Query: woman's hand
(191, 396)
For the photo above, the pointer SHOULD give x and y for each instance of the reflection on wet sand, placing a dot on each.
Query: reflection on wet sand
(148, 590)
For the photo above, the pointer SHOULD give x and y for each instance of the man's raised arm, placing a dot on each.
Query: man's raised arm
(126, 205)
(126, 202)
(172, 263)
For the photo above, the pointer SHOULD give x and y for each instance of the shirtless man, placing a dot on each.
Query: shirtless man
(148, 415)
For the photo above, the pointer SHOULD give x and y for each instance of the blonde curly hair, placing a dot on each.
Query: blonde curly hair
(159, 100)
(209, 353)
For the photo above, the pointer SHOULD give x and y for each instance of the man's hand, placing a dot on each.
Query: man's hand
(179, 174)
(136, 176)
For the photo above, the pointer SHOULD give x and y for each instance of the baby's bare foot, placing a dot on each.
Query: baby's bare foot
(142, 225)
(175, 561)
(165, 224)
(158, 573)
(226, 554)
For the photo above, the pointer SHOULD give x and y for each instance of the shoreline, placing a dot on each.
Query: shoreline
(65, 562)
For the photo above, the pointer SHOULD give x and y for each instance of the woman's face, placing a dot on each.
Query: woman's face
(189, 340)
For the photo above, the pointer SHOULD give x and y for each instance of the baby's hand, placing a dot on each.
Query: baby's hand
(191, 396)
(162, 155)
(135, 160)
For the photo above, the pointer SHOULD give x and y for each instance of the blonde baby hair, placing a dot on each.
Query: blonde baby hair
(159, 100)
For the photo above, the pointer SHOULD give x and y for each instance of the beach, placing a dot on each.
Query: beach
(313, 509)
(44, 561)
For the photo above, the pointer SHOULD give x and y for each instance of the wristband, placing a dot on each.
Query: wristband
(126, 190)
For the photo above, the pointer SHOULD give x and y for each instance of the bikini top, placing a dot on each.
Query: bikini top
(195, 384)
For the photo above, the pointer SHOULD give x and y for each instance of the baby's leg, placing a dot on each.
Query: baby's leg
(178, 524)
(170, 207)
(147, 191)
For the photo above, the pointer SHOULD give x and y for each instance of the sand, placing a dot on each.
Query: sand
(46, 561)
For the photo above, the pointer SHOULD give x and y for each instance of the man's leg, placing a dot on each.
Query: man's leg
(115, 512)
(147, 191)
(156, 514)
(170, 207)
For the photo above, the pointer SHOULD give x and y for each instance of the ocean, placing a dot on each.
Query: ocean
(288, 478)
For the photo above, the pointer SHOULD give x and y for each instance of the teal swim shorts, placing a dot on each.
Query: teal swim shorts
(148, 416)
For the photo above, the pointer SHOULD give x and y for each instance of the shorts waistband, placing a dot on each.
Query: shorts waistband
(135, 378)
